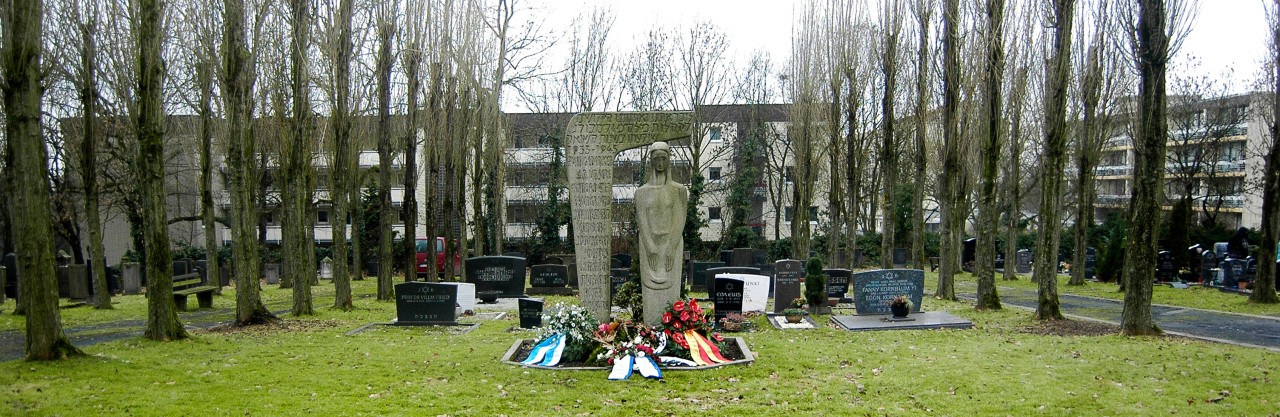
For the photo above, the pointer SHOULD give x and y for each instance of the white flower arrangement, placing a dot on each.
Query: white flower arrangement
(567, 319)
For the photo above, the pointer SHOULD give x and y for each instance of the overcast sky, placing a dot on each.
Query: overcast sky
(1225, 33)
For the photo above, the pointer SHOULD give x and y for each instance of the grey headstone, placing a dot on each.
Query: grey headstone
(181, 267)
(1023, 264)
(425, 303)
(549, 275)
(698, 278)
(202, 267)
(272, 273)
(326, 268)
(872, 290)
(901, 256)
(530, 312)
(617, 277)
(1208, 262)
(497, 273)
(592, 142)
(77, 282)
(64, 281)
(786, 283)
(132, 278)
(742, 257)
(726, 256)
(727, 294)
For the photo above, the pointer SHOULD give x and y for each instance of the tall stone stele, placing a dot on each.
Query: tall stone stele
(592, 141)
(660, 212)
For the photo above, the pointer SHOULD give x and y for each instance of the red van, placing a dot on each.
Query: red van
(422, 249)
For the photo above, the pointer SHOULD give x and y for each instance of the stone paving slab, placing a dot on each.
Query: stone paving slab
(915, 321)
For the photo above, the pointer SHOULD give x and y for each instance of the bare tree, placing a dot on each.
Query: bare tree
(949, 183)
(386, 15)
(296, 162)
(1264, 287)
(984, 270)
(891, 26)
(337, 48)
(923, 12)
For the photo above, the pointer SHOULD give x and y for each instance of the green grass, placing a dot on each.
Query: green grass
(315, 369)
(1194, 297)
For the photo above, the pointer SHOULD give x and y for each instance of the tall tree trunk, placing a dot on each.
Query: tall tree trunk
(1013, 176)
(1087, 156)
(162, 315)
(238, 82)
(947, 190)
(28, 174)
(888, 144)
(204, 81)
(89, 157)
(297, 150)
(386, 30)
(988, 209)
(449, 178)
(1264, 285)
(1045, 266)
(923, 18)
(434, 133)
(835, 193)
(413, 59)
(339, 175)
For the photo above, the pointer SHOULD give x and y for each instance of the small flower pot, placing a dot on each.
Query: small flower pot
(795, 318)
(899, 311)
(731, 326)
(488, 296)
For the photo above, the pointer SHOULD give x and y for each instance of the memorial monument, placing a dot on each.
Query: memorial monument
(660, 211)
(592, 141)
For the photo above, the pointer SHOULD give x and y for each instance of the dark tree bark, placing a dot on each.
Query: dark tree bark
(1093, 133)
(29, 176)
(205, 82)
(1152, 54)
(412, 64)
(988, 210)
(888, 141)
(1264, 286)
(949, 183)
(1013, 175)
(435, 130)
(386, 29)
(924, 15)
(338, 172)
(89, 156)
(162, 314)
(297, 164)
(237, 91)
(1045, 264)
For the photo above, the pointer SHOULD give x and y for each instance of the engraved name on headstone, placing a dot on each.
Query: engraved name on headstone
(497, 273)
(727, 293)
(837, 282)
(786, 283)
(872, 290)
(425, 303)
(551, 276)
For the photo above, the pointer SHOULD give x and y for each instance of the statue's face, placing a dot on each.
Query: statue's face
(661, 161)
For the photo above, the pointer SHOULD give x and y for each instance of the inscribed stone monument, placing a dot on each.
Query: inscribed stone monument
(727, 293)
(755, 291)
(698, 278)
(592, 141)
(497, 273)
(661, 205)
(426, 303)
(872, 290)
(786, 283)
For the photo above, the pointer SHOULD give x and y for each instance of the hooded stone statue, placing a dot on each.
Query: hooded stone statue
(660, 212)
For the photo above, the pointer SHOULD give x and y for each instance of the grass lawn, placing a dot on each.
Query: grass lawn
(309, 366)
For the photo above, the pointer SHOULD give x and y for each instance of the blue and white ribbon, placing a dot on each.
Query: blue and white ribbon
(622, 368)
(547, 351)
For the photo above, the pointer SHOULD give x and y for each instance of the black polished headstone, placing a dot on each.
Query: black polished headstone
(11, 275)
(615, 263)
(872, 290)
(727, 294)
(617, 277)
(530, 312)
(1165, 271)
(624, 260)
(1090, 262)
(181, 267)
(698, 278)
(1233, 271)
(202, 267)
(838, 282)
(553, 260)
(726, 256)
(1023, 265)
(969, 253)
(426, 303)
(901, 256)
(549, 275)
(759, 257)
(786, 283)
(1208, 262)
(497, 273)
(742, 257)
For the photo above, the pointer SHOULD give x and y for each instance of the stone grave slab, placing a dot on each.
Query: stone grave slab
(698, 278)
(1023, 265)
(624, 260)
(132, 278)
(742, 257)
(901, 256)
(1090, 262)
(755, 293)
(549, 279)
(872, 290)
(77, 282)
(426, 303)
(326, 268)
(530, 312)
(838, 283)
(780, 322)
(727, 294)
(918, 321)
(272, 273)
(11, 275)
(497, 273)
(617, 277)
(786, 283)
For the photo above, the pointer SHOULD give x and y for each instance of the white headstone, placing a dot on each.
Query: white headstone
(755, 293)
(466, 295)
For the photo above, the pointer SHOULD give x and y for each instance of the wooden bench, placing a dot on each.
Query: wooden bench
(185, 285)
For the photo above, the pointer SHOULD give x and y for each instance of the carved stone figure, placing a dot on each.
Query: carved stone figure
(660, 212)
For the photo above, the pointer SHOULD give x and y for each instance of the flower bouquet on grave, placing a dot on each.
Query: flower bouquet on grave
(628, 346)
(564, 337)
(685, 324)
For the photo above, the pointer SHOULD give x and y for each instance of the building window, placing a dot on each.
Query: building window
(716, 134)
(269, 217)
(788, 214)
(713, 213)
(788, 173)
(813, 214)
(322, 217)
(714, 174)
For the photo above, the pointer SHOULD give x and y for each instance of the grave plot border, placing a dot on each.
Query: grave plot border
(748, 358)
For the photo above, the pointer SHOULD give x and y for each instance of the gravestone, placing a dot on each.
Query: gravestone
(786, 283)
(181, 267)
(1233, 271)
(11, 275)
(969, 254)
(549, 275)
(3, 279)
(1090, 262)
(224, 274)
(857, 258)
(272, 273)
(1165, 271)
(553, 260)
(742, 257)
(728, 294)
(838, 283)
(466, 295)
(1208, 263)
(726, 256)
(592, 142)
(326, 268)
(615, 263)
(872, 290)
(497, 273)
(573, 274)
(132, 278)
(617, 277)
(1251, 270)
(201, 267)
(759, 257)
(712, 272)
(77, 282)
(624, 260)
(1023, 265)
(514, 254)
(530, 312)
(426, 303)
(901, 256)
(755, 291)
(698, 278)
(63, 276)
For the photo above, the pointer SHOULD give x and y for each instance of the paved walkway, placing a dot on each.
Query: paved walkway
(1238, 329)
